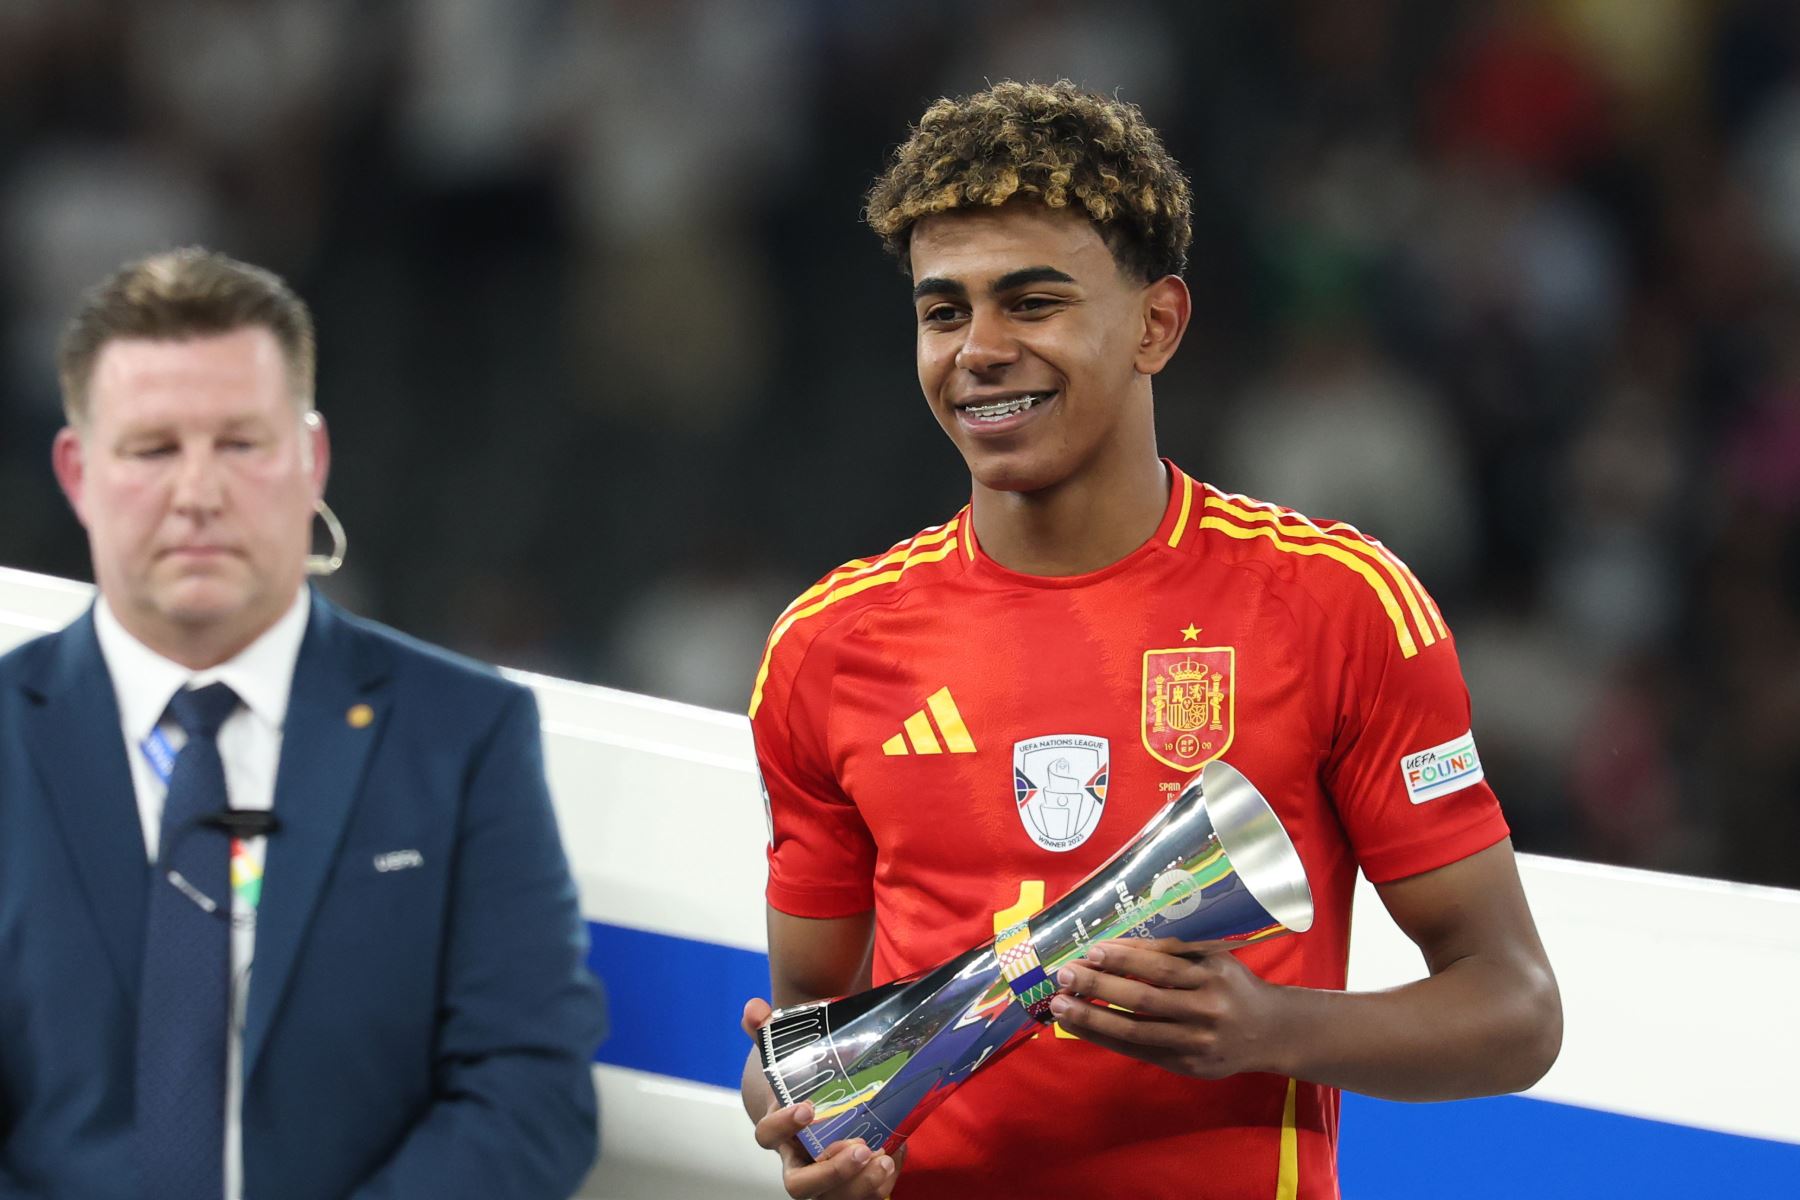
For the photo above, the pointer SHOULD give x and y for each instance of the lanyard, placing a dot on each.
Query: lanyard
(246, 866)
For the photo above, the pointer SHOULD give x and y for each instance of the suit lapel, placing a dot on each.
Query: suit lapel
(79, 754)
(324, 751)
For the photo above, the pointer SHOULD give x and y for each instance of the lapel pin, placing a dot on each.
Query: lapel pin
(359, 716)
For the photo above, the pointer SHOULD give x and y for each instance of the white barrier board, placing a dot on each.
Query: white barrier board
(1679, 993)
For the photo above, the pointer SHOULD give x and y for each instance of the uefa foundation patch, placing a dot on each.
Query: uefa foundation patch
(1441, 770)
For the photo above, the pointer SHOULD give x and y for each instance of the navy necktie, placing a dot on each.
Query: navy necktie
(184, 1004)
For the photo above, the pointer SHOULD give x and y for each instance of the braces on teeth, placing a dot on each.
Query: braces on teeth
(1004, 408)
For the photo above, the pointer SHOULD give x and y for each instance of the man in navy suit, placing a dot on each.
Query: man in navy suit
(283, 907)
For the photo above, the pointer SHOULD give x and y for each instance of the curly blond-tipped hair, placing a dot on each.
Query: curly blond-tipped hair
(1052, 141)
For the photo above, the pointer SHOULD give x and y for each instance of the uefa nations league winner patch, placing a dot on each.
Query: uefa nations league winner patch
(1059, 782)
(1441, 770)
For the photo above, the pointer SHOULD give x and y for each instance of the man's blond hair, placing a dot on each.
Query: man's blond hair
(176, 296)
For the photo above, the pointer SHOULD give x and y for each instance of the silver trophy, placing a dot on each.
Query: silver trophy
(1215, 865)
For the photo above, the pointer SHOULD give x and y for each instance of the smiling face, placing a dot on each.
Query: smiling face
(1035, 350)
(195, 476)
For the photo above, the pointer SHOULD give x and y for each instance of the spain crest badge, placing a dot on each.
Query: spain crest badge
(1188, 704)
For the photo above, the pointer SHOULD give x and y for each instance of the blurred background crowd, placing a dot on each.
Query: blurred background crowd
(613, 370)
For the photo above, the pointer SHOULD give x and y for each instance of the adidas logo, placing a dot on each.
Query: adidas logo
(920, 738)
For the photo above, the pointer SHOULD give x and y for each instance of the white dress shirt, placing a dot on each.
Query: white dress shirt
(262, 675)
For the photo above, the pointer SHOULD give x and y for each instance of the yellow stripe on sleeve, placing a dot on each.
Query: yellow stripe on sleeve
(1406, 573)
(1410, 585)
(861, 566)
(1336, 553)
(1437, 616)
(848, 588)
(1296, 526)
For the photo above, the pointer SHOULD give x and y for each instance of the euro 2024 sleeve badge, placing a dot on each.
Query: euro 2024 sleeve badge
(1187, 719)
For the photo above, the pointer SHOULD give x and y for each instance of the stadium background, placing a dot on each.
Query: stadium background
(613, 370)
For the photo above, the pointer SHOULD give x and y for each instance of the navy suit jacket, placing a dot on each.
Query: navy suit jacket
(422, 1031)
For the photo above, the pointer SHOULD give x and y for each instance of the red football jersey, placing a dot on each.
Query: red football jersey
(954, 744)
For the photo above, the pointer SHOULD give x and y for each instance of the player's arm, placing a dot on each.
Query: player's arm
(1487, 1019)
(816, 959)
(822, 863)
(809, 959)
(813, 959)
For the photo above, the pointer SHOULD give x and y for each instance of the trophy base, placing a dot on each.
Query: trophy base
(795, 1030)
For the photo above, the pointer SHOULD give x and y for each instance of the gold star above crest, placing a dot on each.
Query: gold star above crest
(1190, 633)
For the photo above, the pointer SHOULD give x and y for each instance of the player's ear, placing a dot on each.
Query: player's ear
(1167, 306)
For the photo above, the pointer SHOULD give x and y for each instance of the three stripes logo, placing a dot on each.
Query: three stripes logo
(921, 732)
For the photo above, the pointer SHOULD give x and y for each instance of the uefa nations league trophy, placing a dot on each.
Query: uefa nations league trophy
(1215, 865)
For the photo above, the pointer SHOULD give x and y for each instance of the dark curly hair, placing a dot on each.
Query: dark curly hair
(1053, 141)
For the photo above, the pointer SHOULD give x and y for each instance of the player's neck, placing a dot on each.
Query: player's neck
(1083, 524)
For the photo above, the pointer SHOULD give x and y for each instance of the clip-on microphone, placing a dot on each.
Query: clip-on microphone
(243, 822)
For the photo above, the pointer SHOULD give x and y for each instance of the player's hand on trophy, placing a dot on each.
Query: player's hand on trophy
(850, 1170)
(1191, 1007)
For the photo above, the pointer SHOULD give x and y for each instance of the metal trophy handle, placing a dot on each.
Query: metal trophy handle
(1215, 865)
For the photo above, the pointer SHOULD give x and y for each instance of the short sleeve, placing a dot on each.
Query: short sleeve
(821, 855)
(1404, 771)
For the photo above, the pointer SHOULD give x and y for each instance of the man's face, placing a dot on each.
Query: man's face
(195, 478)
(1030, 341)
